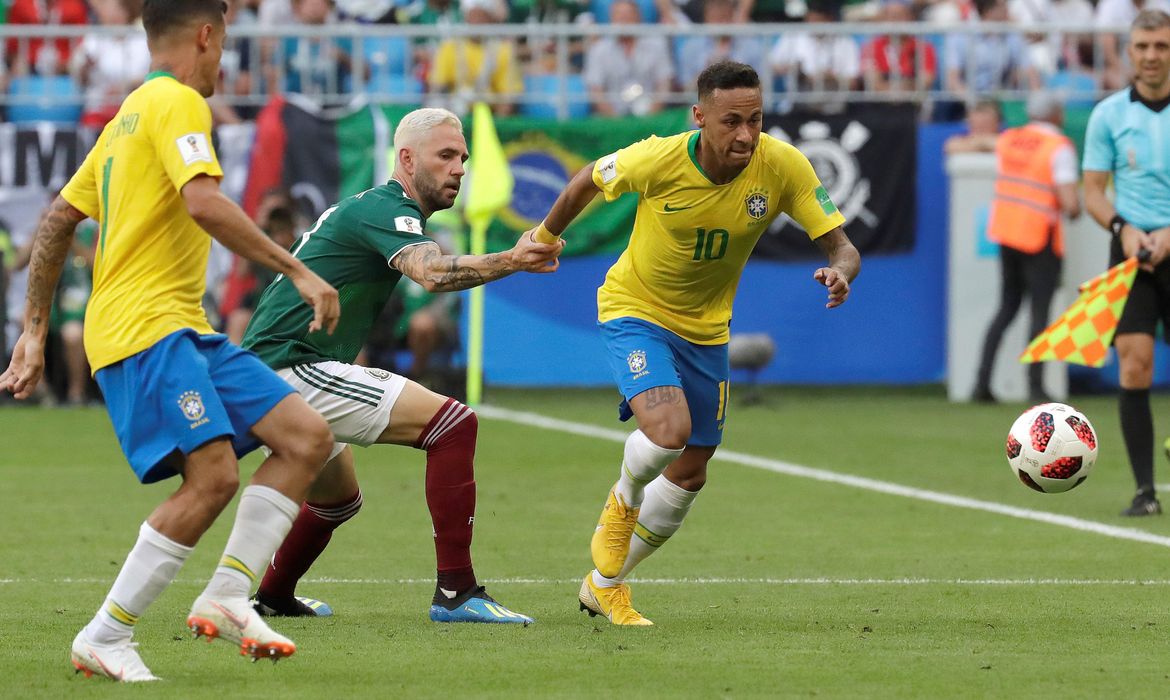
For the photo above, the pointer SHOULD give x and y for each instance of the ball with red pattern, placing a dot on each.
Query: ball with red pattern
(1052, 448)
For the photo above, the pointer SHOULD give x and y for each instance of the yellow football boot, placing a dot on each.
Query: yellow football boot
(611, 539)
(613, 603)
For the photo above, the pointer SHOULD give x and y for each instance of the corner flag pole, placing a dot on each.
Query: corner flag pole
(490, 191)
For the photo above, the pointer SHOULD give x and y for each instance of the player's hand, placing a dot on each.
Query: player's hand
(836, 283)
(321, 297)
(27, 366)
(530, 256)
(1159, 240)
(1134, 239)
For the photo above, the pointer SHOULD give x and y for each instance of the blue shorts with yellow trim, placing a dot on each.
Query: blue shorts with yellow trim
(643, 356)
(183, 392)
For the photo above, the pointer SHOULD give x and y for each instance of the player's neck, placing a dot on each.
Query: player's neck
(1153, 93)
(717, 172)
(184, 71)
(408, 190)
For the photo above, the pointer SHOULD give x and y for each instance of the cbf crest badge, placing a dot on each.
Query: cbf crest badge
(637, 361)
(191, 404)
(757, 205)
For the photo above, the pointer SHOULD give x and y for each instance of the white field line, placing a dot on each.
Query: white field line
(815, 581)
(860, 482)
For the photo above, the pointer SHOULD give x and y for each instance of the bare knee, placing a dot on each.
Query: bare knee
(1137, 365)
(308, 444)
(670, 431)
(213, 482)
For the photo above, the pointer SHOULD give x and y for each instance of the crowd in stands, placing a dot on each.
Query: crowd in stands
(615, 75)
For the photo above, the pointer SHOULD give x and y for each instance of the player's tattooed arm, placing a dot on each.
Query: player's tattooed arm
(844, 264)
(51, 245)
(436, 272)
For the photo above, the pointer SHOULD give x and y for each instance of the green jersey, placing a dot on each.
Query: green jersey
(350, 247)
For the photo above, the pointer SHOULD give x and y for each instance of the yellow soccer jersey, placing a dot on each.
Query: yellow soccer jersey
(691, 237)
(149, 277)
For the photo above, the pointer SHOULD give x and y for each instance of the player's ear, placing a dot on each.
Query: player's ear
(204, 36)
(697, 114)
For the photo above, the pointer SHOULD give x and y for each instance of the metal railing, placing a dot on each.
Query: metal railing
(339, 63)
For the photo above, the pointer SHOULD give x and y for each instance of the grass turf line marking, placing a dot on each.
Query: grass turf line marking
(773, 465)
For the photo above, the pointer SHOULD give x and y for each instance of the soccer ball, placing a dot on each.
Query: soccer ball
(1052, 448)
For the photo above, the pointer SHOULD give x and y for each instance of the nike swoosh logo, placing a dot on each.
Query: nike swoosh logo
(450, 594)
(667, 209)
(240, 622)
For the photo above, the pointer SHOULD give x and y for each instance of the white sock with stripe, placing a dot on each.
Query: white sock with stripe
(662, 514)
(263, 519)
(151, 565)
(642, 462)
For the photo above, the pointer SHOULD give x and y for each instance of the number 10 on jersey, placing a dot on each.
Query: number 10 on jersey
(710, 245)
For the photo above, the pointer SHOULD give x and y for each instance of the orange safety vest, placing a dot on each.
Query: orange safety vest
(1026, 211)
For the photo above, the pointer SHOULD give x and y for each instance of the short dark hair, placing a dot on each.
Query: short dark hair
(726, 75)
(160, 17)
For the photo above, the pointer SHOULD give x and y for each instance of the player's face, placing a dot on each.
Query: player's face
(439, 169)
(731, 122)
(1149, 54)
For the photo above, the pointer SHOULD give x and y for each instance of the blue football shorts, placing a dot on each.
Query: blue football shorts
(643, 355)
(183, 392)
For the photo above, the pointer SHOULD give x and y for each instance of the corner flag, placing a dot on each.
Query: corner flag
(490, 191)
(491, 178)
(1083, 333)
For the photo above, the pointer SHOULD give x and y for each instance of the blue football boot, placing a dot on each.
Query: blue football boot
(474, 605)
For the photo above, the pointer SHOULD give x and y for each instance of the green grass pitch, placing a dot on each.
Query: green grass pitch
(777, 586)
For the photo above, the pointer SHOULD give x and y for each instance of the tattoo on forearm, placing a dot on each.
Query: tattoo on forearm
(427, 265)
(663, 396)
(50, 247)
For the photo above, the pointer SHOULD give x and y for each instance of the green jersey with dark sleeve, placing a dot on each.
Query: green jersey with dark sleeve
(350, 247)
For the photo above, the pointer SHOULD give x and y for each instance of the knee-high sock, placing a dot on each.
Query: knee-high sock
(309, 536)
(263, 519)
(641, 463)
(1137, 427)
(449, 440)
(662, 514)
(151, 565)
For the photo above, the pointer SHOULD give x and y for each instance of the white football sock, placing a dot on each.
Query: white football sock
(263, 519)
(151, 565)
(643, 461)
(662, 514)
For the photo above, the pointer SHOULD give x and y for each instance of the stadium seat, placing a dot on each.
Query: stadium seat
(389, 54)
(38, 98)
(600, 10)
(546, 88)
(395, 87)
(1070, 83)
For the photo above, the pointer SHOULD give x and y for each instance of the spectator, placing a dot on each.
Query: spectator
(1048, 49)
(476, 68)
(982, 63)
(1111, 16)
(109, 67)
(983, 125)
(819, 62)
(314, 66)
(34, 55)
(698, 52)
(235, 73)
(896, 62)
(627, 74)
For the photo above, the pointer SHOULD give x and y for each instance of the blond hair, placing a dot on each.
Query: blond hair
(417, 123)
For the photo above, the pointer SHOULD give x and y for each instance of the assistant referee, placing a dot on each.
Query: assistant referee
(1128, 137)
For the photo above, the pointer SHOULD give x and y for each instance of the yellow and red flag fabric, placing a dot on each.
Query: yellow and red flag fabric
(1083, 333)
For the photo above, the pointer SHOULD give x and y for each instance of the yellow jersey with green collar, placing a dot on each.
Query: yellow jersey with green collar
(692, 237)
(151, 266)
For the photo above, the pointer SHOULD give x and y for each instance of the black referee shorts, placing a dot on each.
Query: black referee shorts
(1149, 300)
